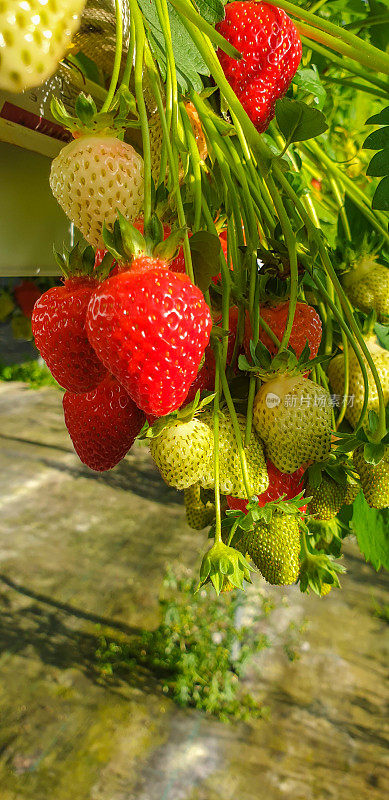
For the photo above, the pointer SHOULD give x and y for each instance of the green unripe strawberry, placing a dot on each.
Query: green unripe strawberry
(231, 478)
(325, 589)
(327, 499)
(200, 512)
(21, 327)
(356, 391)
(183, 452)
(7, 305)
(374, 479)
(367, 287)
(274, 548)
(292, 415)
(352, 491)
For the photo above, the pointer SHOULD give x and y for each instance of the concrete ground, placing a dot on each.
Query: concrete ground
(81, 552)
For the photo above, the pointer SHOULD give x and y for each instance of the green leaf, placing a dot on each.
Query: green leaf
(371, 528)
(378, 140)
(211, 10)
(189, 62)
(379, 119)
(379, 164)
(382, 332)
(205, 249)
(373, 453)
(297, 121)
(309, 81)
(380, 201)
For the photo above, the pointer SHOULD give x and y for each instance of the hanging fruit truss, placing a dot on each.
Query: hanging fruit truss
(229, 304)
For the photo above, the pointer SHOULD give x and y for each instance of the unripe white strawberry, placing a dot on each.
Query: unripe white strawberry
(93, 178)
(34, 37)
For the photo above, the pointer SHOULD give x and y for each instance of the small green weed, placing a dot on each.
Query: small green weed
(31, 372)
(198, 651)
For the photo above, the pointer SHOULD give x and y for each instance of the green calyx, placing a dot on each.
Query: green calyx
(284, 363)
(125, 242)
(373, 450)
(89, 120)
(77, 263)
(256, 513)
(317, 569)
(337, 466)
(223, 564)
(183, 415)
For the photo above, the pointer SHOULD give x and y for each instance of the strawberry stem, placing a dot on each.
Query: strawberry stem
(235, 423)
(345, 64)
(216, 467)
(154, 81)
(140, 40)
(118, 57)
(337, 38)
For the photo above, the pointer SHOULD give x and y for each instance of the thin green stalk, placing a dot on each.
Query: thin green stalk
(118, 56)
(154, 80)
(342, 212)
(376, 60)
(343, 63)
(143, 118)
(346, 383)
(314, 151)
(216, 466)
(130, 55)
(238, 435)
(364, 51)
(194, 163)
(337, 314)
(290, 240)
(187, 10)
(254, 316)
(358, 87)
(348, 311)
(172, 110)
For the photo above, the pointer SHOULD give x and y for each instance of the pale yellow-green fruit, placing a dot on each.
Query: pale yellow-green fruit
(356, 391)
(367, 286)
(199, 513)
(34, 37)
(292, 416)
(231, 477)
(183, 453)
(93, 178)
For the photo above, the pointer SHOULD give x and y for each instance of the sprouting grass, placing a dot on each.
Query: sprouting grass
(198, 652)
(31, 372)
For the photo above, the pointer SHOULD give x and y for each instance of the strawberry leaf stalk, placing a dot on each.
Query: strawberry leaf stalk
(97, 174)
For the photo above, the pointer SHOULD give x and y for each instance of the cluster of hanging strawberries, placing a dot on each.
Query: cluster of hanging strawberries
(140, 352)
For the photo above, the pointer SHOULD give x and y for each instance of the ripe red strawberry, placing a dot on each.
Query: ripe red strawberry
(102, 424)
(280, 483)
(271, 50)
(306, 328)
(26, 294)
(58, 325)
(150, 329)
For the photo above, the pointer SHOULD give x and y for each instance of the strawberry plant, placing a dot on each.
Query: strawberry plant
(234, 293)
